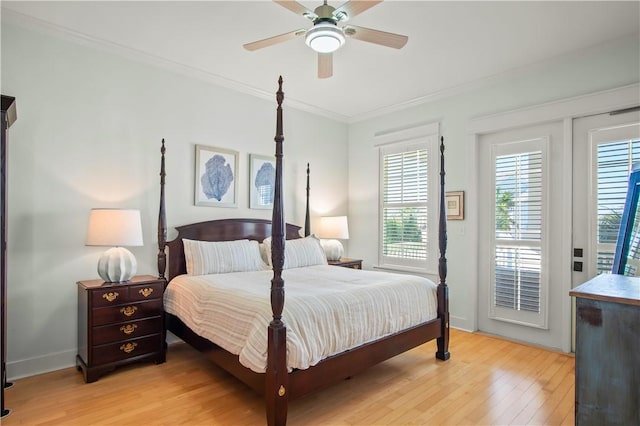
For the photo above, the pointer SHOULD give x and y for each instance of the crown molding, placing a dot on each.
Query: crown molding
(431, 97)
(136, 55)
(473, 85)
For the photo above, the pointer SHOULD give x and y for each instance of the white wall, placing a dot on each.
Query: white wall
(88, 135)
(599, 68)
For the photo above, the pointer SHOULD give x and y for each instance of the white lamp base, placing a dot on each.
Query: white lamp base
(116, 265)
(332, 249)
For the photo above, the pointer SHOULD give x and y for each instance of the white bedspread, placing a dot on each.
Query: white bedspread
(327, 310)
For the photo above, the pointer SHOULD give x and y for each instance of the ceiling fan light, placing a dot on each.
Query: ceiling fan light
(325, 37)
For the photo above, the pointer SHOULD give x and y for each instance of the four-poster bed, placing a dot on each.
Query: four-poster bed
(279, 382)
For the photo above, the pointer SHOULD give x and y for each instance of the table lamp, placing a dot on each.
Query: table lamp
(115, 228)
(332, 229)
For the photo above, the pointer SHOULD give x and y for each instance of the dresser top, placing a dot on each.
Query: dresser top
(610, 288)
(138, 279)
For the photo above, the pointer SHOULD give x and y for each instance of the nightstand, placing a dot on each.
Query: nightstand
(347, 262)
(119, 323)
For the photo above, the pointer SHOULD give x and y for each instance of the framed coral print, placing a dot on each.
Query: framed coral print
(262, 177)
(455, 205)
(216, 177)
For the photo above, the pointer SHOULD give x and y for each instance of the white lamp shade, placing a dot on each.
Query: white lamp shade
(114, 227)
(335, 227)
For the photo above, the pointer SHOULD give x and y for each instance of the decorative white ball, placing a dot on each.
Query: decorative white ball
(116, 265)
(332, 249)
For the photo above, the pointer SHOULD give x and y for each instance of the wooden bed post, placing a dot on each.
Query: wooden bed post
(443, 290)
(162, 221)
(277, 379)
(307, 224)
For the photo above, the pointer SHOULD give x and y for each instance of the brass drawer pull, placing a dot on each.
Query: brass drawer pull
(128, 348)
(128, 310)
(111, 296)
(146, 292)
(129, 328)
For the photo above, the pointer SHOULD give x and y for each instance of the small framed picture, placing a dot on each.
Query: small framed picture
(216, 177)
(455, 205)
(262, 178)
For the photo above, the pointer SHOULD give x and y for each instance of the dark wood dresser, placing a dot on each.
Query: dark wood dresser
(119, 323)
(608, 351)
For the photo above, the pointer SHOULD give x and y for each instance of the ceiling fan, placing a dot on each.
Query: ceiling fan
(325, 37)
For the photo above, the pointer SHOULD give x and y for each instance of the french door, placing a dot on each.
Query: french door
(604, 150)
(520, 236)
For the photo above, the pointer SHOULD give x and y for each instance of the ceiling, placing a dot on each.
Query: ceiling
(452, 44)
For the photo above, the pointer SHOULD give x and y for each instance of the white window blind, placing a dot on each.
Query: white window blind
(615, 160)
(404, 211)
(518, 213)
(518, 278)
(408, 215)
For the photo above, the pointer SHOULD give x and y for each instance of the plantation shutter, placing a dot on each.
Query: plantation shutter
(405, 193)
(615, 161)
(518, 279)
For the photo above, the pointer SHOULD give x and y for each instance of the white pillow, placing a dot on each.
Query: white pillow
(219, 257)
(299, 252)
(264, 254)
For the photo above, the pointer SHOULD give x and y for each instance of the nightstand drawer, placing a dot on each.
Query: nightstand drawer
(127, 330)
(146, 291)
(110, 297)
(128, 349)
(128, 312)
(119, 294)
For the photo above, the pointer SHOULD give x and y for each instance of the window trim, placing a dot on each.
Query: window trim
(404, 140)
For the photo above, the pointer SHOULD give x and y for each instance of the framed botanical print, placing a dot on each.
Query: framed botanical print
(262, 177)
(216, 177)
(455, 205)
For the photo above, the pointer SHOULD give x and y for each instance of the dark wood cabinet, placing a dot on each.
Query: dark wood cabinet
(119, 323)
(608, 351)
(347, 262)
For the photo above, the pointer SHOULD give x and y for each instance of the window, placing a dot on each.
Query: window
(408, 199)
(613, 168)
(517, 282)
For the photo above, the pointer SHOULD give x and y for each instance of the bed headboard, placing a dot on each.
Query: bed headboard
(219, 230)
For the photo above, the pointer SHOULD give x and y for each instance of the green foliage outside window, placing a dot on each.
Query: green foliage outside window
(504, 203)
(397, 230)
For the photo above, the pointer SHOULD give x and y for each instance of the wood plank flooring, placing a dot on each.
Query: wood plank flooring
(487, 381)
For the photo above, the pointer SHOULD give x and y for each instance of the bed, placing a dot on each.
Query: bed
(281, 375)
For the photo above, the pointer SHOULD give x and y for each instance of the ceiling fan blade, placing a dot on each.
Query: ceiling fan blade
(325, 65)
(383, 38)
(273, 40)
(353, 8)
(296, 8)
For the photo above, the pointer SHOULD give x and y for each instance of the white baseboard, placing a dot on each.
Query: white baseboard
(461, 323)
(51, 362)
(40, 365)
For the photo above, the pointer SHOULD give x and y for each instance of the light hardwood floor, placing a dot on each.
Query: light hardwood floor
(487, 381)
